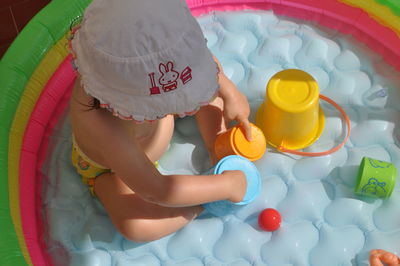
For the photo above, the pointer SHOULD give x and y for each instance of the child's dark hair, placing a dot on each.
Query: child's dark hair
(94, 104)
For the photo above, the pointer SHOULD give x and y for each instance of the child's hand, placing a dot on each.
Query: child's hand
(239, 184)
(379, 256)
(236, 106)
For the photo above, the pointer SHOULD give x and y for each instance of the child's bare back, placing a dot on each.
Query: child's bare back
(93, 128)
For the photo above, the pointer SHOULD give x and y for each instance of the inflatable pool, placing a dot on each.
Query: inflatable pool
(324, 223)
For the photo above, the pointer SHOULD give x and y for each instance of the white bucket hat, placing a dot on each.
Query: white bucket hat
(144, 59)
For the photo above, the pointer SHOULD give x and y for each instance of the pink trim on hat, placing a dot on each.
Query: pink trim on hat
(130, 118)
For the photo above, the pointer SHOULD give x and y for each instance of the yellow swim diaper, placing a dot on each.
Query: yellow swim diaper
(87, 168)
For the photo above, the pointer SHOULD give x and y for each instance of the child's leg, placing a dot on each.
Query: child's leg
(136, 219)
(211, 122)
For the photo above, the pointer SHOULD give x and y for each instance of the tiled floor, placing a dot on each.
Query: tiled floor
(14, 15)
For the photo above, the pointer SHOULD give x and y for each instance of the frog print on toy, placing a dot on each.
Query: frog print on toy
(379, 164)
(374, 187)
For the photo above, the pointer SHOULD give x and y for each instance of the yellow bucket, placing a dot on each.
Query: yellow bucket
(290, 116)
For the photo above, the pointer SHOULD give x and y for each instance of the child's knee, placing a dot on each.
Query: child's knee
(218, 102)
(138, 230)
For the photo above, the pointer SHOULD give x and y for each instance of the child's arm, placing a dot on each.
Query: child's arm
(236, 106)
(379, 256)
(129, 162)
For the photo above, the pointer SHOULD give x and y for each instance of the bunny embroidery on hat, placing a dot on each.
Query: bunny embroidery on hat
(168, 78)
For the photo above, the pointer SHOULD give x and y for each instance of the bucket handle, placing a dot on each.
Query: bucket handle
(315, 154)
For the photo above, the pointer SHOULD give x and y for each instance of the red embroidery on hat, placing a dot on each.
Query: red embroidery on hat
(154, 89)
(186, 75)
(168, 76)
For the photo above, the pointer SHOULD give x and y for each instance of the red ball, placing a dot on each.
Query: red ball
(269, 219)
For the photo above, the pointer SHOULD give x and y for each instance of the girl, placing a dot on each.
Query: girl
(140, 63)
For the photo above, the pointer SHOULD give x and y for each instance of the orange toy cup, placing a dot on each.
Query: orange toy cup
(290, 116)
(233, 142)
